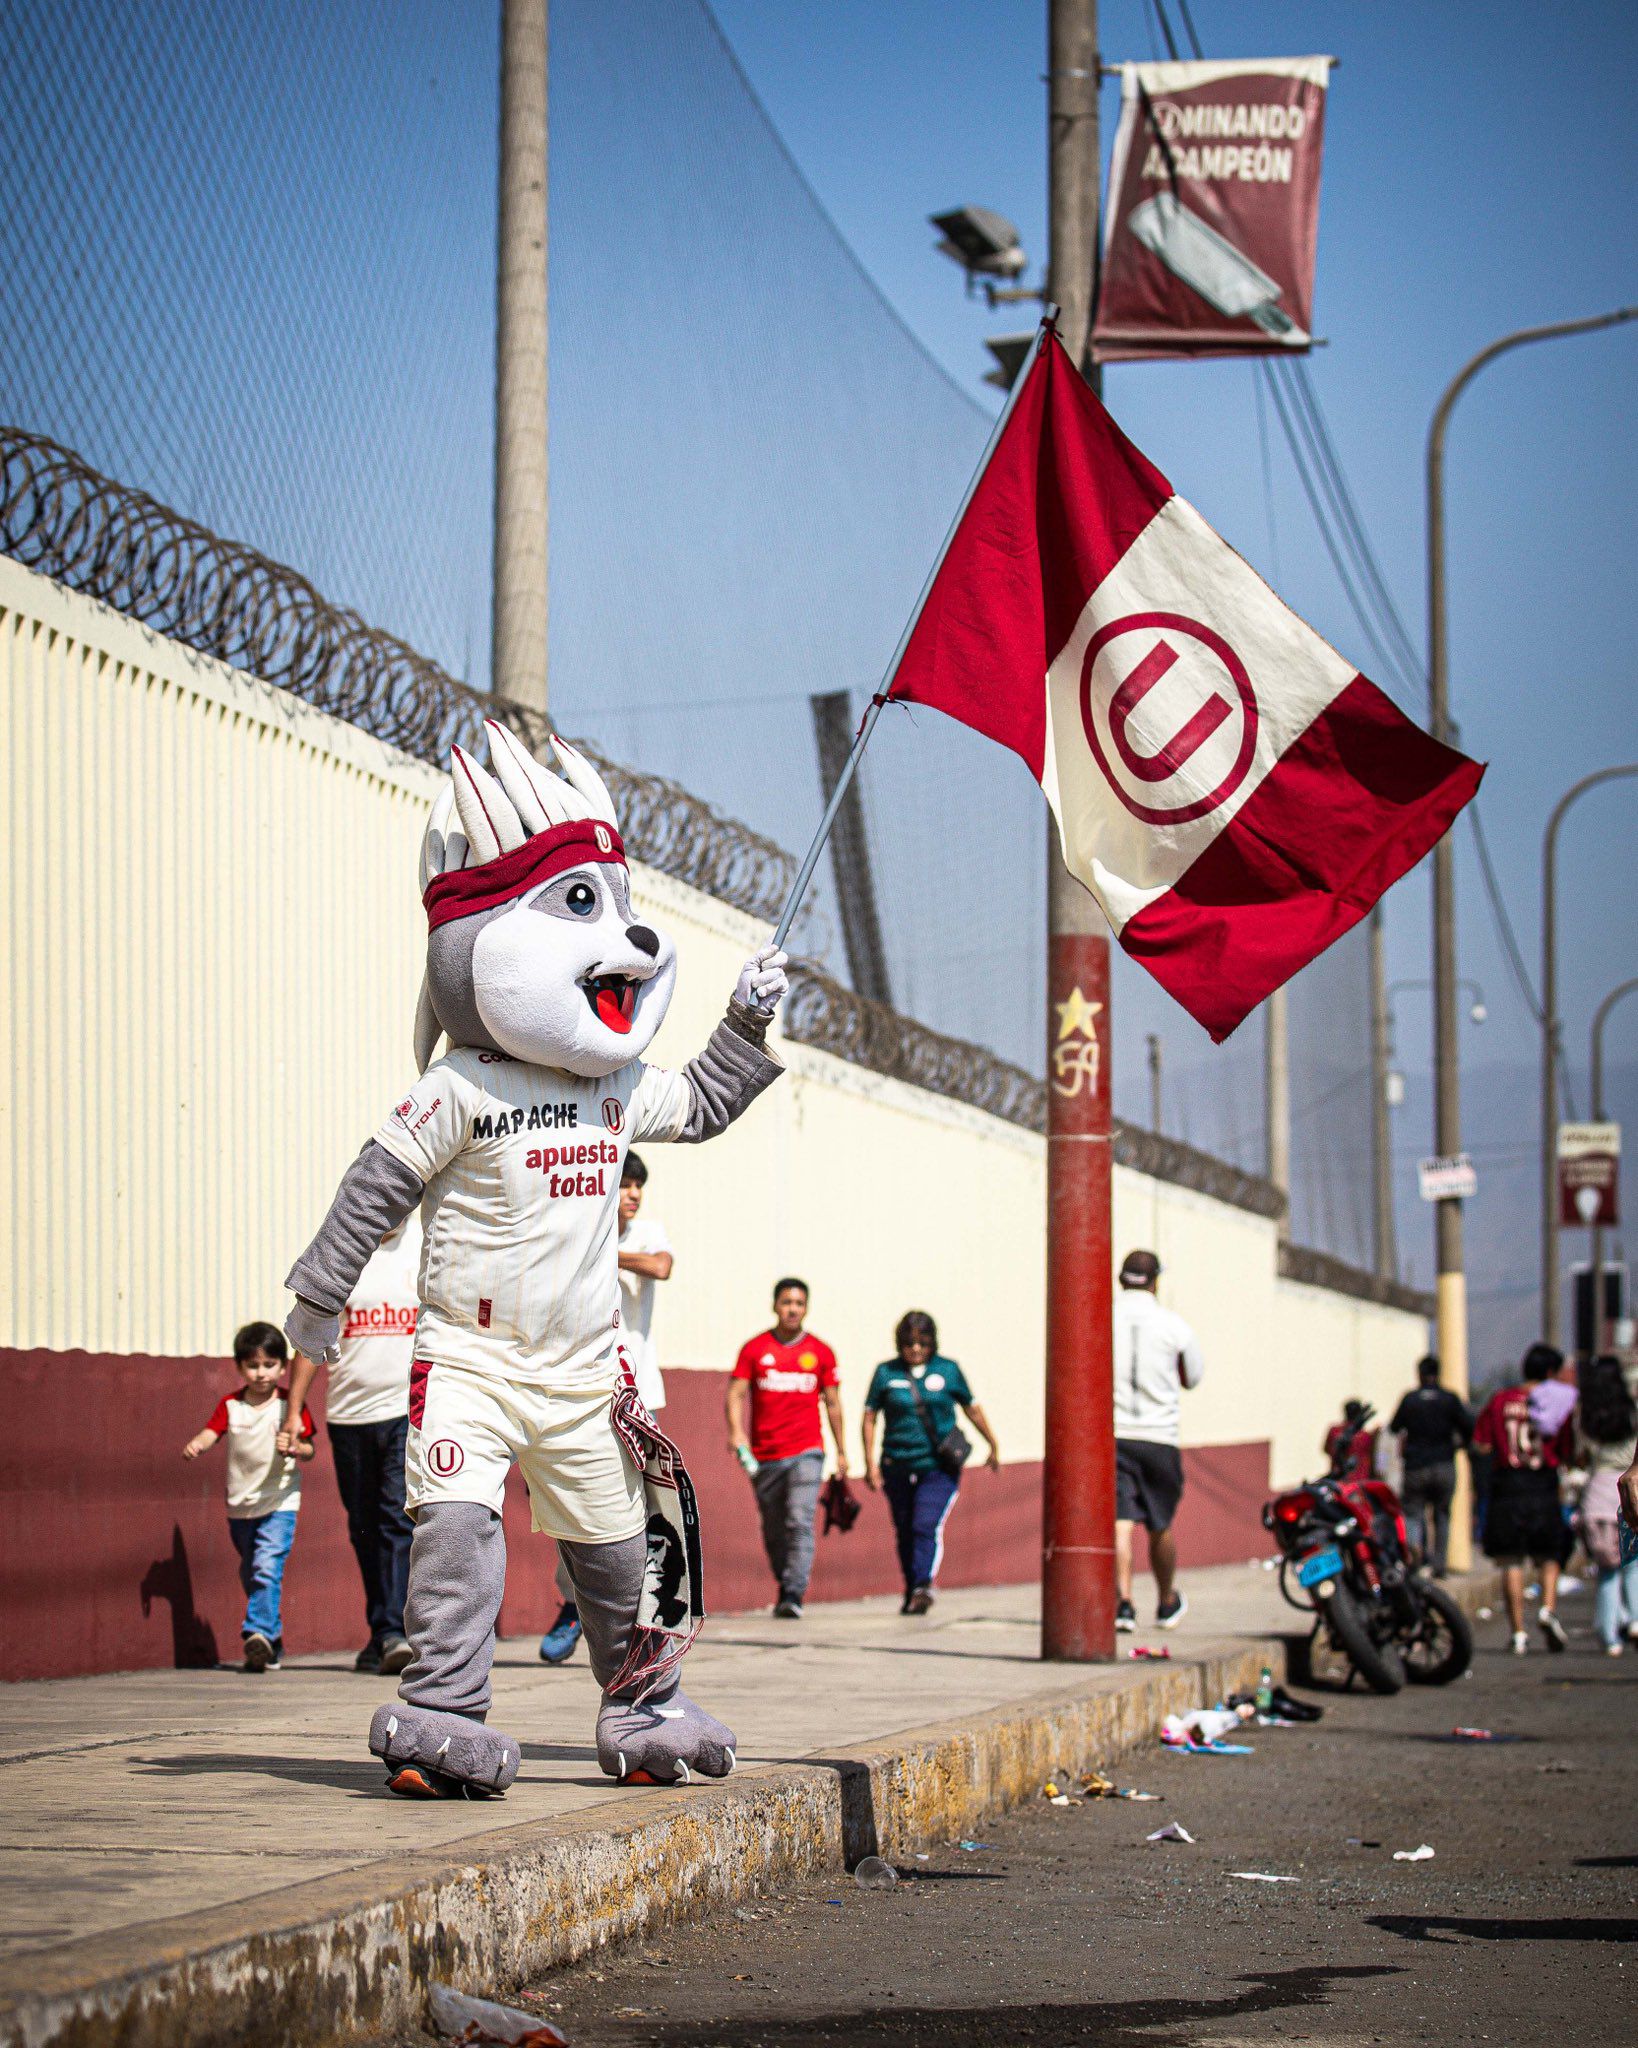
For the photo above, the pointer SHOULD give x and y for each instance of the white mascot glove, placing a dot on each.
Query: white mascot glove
(313, 1333)
(762, 983)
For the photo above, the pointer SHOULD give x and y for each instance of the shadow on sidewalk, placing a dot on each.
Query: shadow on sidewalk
(193, 1640)
(1428, 1927)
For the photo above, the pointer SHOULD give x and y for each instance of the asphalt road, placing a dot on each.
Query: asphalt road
(1070, 1927)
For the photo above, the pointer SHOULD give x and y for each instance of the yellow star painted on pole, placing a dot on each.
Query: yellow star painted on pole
(1076, 1015)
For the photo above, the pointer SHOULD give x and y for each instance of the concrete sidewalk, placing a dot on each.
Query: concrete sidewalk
(222, 1845)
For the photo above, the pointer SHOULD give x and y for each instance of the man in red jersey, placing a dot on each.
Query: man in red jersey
(1523, 1524)
(774, 1394)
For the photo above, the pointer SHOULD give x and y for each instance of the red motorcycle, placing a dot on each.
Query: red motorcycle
(1342, 1539)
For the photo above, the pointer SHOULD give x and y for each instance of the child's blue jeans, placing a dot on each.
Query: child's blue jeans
(263, 1543)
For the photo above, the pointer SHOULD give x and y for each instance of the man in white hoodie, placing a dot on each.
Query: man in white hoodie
(1156, 1357)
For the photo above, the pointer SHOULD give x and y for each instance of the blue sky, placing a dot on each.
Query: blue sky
(247, 264)
(1479, 177)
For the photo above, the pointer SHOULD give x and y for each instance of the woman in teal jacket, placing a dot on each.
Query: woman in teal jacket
(914, 1397)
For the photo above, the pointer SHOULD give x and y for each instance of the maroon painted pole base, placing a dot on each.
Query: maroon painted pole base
(1078, 1557)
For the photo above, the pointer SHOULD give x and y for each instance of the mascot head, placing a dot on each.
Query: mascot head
(532, 948)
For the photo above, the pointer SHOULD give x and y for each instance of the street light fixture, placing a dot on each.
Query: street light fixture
(984, 243)
(1452, 1279)
(1552, 1042)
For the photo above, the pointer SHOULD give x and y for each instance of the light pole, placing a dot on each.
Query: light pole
(1596, 1064)
(1452, 1280)
(1387, 1087)
(1552, 1044)
(1078, 1477)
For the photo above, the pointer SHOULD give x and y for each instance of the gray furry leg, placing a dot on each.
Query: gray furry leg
(668, 1740)
(457, 1575)
(436, 1742)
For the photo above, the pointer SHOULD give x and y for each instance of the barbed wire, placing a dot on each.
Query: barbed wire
(116, 544)
(821, 1013)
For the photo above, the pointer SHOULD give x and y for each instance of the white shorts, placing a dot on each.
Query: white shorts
(466, 1428)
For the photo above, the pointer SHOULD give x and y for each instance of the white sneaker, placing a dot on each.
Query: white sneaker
(1553, 1629)
(1521, 1643)
(1613, 1649)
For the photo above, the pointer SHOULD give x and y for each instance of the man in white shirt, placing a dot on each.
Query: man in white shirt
(644, 1257)
(1156, 1357)
(366, 1410)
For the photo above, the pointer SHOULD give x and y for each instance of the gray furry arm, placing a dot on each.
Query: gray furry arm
(728, 1076)
(376, 1193)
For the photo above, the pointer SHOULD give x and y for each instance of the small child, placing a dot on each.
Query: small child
(263, 1484)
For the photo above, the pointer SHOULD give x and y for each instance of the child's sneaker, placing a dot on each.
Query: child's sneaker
(1125, 1617)
(1171, 1612)
(557, 1645)
(1521, 1643)
(1553, 1629)
(260, 1653)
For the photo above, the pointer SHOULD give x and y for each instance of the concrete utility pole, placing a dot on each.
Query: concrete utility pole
(1078, 1511)
(1384, 1251)
(1447, 1136)
(850, 849)
(1552, 1045)
(1277, 1100)
(1153, 1042)
(518, 619)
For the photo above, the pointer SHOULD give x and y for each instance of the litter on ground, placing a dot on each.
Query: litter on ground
(1412, 1855)
(971, 1846)
(1143, 1651)
(1263, 1877)
(459, 2017)
(1173, 1831)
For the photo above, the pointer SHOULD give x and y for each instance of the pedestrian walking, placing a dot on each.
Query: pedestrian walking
(1606, 1438)
(779, 1381)
(644, 1258)
(1432, 1424)
(263, 1484)
(915, 1397)
(1156, 1358)
(1523, 1524)
(366, 1413)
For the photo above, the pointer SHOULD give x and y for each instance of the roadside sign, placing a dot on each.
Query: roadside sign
(1589, 1175)
(1447, 1179)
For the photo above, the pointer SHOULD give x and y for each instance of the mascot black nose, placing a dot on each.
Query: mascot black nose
(644, 940)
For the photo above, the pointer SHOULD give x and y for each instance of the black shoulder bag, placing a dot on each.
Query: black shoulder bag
(950, 1452)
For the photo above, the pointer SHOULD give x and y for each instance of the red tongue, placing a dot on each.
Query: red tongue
(611, 1007)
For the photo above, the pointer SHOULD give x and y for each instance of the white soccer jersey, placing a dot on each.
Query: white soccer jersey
(521, 1166)
(642, 1234)
(370, 1380)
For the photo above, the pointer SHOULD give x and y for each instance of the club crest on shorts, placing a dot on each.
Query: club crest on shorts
(445, 1458)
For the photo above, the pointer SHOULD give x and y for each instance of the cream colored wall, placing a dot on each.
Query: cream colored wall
(214, 940)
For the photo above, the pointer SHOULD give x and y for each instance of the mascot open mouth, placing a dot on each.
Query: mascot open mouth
(613, 998)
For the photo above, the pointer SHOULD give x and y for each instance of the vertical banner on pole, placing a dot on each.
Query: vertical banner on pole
(1213, 210)
(1078, 1508)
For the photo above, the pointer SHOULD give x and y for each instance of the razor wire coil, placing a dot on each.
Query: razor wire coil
(109, 541)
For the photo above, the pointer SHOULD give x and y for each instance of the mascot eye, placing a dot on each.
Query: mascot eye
(581, 899)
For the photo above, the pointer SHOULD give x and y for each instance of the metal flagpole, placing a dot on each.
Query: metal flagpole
(804, 874)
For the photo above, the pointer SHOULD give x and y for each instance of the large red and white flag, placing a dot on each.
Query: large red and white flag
(1234, 793)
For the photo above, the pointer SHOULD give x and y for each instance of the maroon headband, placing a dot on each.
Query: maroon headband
(466, 891)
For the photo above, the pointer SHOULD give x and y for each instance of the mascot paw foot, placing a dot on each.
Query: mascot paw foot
(433, 1755)
(662, 1742)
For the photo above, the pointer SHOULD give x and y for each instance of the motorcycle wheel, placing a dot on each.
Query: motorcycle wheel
(1441, 1647)
(1379, 1664)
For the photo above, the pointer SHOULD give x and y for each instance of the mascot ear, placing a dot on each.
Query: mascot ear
(442, 851)
(427, 1029)
(581, 775)
(539, 798)
(487, 815)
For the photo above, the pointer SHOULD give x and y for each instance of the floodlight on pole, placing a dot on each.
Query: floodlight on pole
(983, 242)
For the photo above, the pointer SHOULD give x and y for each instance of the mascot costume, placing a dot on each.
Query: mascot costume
(549, 992)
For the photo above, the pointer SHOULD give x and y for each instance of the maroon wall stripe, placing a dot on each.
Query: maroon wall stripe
(115, 1556)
